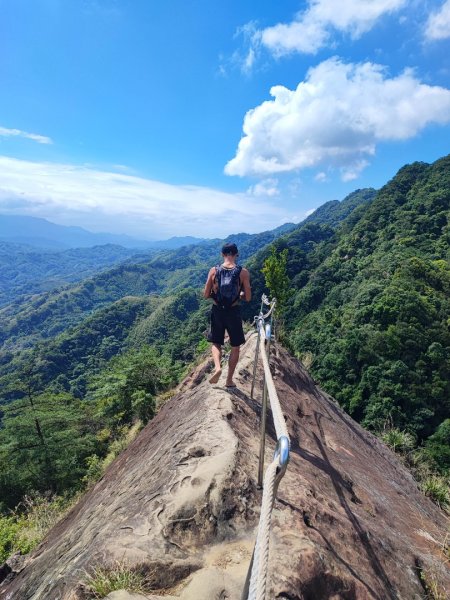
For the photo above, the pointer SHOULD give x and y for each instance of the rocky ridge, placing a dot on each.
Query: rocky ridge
(181, 505)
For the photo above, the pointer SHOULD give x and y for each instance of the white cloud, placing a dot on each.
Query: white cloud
(312, 28)
(335, 118)
(438, 24)
(266, 187)
(119, 202)
(321, 177)
(41, 139)
(353, 171)
(245, 58)
(249, 60)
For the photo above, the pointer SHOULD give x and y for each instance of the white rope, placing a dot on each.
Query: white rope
(261, 555)
(258, 579)
(265, 300)
(270, 311)
(278, 418)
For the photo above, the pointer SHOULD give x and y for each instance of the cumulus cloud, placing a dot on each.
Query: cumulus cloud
(266, 187)
(335, 118)
(438, 24)
(353, 171)
(41, 139)
(312, 29)
(321, 177)
(119, 202)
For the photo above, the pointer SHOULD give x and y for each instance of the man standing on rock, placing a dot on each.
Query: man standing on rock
(227, 284)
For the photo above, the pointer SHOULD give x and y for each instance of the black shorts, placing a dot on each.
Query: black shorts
(228, 319)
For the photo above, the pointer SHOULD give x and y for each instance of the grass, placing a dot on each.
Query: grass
(432, 577)
(27, 525)
(307, 359)
(97, 465)
(437, 488)
(399, 441)
(433, 485)
(434, 590)
(119, 576)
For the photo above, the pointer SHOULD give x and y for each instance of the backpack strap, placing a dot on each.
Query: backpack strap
(239, 268)
(215, 280)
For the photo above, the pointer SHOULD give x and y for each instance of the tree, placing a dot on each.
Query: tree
(127, 389)
(437, 447)
(44, 442)
(276, 278)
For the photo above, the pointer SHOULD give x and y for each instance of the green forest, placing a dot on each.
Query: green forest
(364, 290)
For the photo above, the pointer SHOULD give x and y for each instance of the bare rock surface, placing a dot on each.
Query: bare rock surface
(180, 504)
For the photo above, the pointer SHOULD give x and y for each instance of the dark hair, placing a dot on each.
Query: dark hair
(229, 249)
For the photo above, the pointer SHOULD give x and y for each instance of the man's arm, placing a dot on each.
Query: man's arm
(209, 283)
(245, 280)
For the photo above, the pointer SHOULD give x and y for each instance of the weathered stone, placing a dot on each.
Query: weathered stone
(5, 570)
(15, 563)
(181, 505)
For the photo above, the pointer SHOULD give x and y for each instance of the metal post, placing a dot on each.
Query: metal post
(255, 363)
(257, 347)
(246, 589)
(268, 337)
(262, 441)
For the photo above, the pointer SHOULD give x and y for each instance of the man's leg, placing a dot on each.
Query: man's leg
(216, 351)
(217, 334)
(237, 338)
(232, 362)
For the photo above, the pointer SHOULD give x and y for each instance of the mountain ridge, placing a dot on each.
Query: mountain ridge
(39, 232)
(373, 271)
(349, 521)
(165, 270)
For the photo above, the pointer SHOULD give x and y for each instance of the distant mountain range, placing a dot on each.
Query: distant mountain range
(41, 233)
(34, 306)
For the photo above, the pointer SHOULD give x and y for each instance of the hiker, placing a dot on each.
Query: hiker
(227, 284)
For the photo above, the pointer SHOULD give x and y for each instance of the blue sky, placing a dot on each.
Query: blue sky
(207, 118)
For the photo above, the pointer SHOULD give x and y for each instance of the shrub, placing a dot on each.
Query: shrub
(202, 346)
(8, 533)
(94, 469)
(30, 521)
(399, 441)
(437, 488)
(432, 585)
(119, 576)
(437, 447)
(96, 465)
(307, 359)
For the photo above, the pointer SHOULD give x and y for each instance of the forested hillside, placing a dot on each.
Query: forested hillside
(90, 359)
(26, 270)
(372, 318)
(26, 320)
(367, 310)
(310, 243)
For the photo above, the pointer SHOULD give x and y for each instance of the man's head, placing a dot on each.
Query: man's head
(229, 250)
